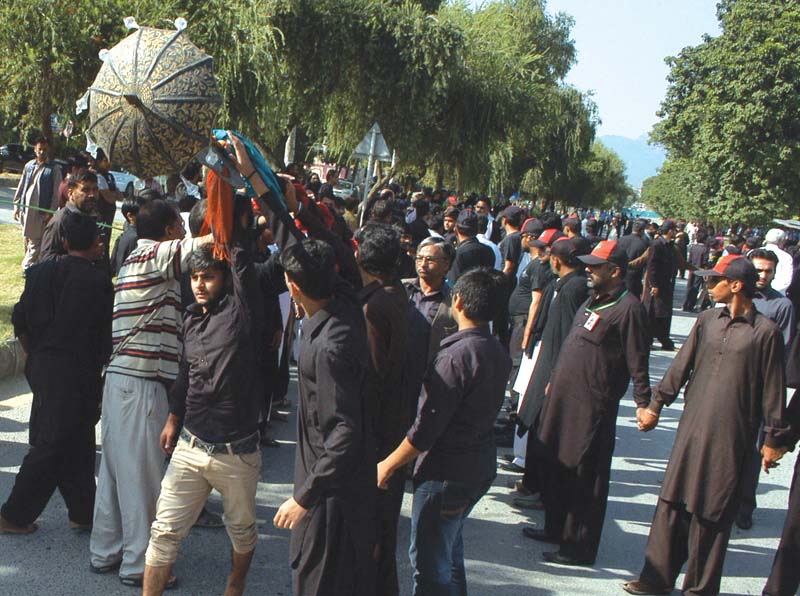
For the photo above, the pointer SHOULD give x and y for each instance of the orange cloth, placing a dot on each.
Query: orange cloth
(219, 214)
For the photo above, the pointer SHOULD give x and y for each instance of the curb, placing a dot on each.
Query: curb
(12, 359)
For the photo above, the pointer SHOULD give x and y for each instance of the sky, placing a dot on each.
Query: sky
(621, 46)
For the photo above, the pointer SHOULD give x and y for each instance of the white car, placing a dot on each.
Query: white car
(126, 182)
(345, 189)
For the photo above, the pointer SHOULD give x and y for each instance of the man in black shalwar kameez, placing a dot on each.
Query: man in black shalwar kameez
(734, 358)
(606, 347)
(331, 513)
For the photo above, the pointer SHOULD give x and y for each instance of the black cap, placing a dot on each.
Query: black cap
(532, 226)
(564, 248)
(513, 215)
(468, 221)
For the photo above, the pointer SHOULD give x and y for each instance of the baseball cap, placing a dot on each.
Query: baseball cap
(513, 215)
(565, 249)
(606, 251)
(468, 221)
(547, 238)
(732, 267)
(532, 226)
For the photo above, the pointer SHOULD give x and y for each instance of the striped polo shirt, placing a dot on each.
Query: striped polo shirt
(146, 329)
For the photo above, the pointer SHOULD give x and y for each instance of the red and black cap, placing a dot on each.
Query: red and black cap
(732, 267)
(547, 238)
(606, 251)
(532, 226)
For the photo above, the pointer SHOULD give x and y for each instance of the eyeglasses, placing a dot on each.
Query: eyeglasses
(421, 259)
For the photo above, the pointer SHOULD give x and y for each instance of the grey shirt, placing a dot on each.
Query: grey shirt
(776, 307)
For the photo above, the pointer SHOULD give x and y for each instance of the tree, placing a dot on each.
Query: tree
(731, 116)
(673, 191)
(49, 50)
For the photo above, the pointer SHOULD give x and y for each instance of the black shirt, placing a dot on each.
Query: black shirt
(470, 254)
(335, 455)
(461, 396)
(123, 247)
(65, 311)
(218, 391)
(511, 250)
(533, 278)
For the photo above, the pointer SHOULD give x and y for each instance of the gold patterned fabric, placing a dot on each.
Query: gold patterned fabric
(154, 102)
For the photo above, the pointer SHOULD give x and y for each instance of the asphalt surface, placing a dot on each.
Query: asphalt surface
(500, 561)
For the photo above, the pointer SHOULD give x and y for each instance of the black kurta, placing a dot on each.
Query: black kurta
(65, 314)
(735, 374)
(592, 374)
(335, 465)
(661, 269)
(608, 344)
(569, 293)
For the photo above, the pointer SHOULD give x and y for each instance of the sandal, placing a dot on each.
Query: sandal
(137, 581)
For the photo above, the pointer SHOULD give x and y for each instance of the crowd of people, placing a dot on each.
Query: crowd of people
(426, 329)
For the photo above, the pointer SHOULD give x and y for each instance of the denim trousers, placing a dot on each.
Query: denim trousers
(437, 546)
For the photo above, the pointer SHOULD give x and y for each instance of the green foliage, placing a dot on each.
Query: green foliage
(49, 50)
(474, 96)
(671, 191)
(732, 114)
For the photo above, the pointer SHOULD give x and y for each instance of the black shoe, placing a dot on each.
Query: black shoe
(559, 559)
(512, 467)
(667, 346)
(269, 442)
(540, 535)
(744, 521)
(507, 457)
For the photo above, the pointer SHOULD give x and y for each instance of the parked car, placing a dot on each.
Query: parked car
(126, 182)
(345, 189)
(13, 157)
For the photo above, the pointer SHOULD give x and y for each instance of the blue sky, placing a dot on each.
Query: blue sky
(621, 48)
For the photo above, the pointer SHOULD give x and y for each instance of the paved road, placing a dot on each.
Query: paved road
(500, 561)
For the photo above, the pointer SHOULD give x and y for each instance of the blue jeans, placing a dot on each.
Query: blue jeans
(437, 546)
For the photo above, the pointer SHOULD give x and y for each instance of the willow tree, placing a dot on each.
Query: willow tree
(50, 54)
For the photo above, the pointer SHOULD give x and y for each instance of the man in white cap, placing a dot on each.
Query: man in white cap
(783, 274)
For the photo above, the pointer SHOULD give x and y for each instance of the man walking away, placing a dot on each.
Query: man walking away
(698, 256)
(63, 321)
(453, 437)
(386, 311)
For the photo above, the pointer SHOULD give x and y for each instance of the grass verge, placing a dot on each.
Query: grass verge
(11, 280)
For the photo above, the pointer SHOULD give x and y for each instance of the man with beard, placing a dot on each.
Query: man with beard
(37, 190)
(83, 191)
(606, 347)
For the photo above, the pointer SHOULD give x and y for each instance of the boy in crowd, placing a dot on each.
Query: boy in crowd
(452, 437)
(212, 428)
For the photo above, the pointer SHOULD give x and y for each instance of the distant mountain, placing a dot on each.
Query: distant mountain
(641, 159)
